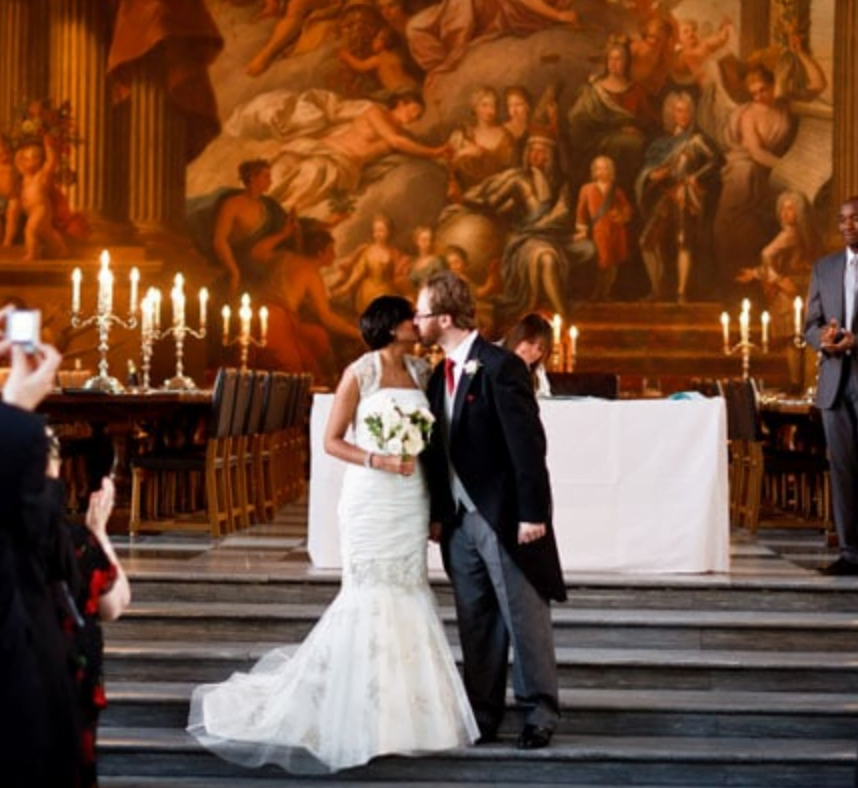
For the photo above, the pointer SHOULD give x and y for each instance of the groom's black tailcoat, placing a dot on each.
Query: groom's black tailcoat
(497, 446)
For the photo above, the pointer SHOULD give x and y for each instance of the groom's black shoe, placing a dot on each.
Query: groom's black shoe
(840, 567)
(534, 737)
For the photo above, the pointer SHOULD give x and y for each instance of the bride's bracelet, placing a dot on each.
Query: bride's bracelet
(367, 459)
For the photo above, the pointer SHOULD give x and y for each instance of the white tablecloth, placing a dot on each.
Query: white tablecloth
(638, 485)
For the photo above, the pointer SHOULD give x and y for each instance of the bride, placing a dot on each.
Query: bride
(375, 676)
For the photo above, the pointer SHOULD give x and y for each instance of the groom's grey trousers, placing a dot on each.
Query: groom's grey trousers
(495, 603)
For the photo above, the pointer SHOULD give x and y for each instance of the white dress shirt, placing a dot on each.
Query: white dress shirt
(459, 357)
(850, 286)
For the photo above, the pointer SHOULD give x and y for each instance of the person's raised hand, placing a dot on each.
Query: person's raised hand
(31, 376)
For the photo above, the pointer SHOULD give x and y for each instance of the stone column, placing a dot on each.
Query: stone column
(80, 39)
(845, 149)
(23, 55)
(157, 154)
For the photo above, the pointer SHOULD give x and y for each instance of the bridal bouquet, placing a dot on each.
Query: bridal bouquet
(400, 431)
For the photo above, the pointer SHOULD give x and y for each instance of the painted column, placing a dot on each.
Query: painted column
(79, 40)
(157, 153)
(23, 56)
(845, 150)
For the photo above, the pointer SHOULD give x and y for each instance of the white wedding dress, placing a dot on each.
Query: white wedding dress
(375, 676)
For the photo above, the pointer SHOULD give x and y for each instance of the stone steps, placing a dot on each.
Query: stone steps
(578, 627)
(626, 668)
(571, 760)
(586, 712)
(796, 592)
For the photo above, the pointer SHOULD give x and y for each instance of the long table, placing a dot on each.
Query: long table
(638, 485)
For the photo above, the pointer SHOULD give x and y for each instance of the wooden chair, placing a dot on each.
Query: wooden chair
(294, 444)
(745, 434)
(210, 462)
(265, 446)
(237, 491)
(244, 446)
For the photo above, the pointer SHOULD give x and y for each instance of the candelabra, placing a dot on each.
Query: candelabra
(744, 345)
(244, 340)
(151, 332)
(104, 318)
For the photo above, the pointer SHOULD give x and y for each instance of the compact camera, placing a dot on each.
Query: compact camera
(24, 327)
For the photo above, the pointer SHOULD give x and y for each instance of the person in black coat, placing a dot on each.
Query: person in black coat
(39, 744)
(491, 506)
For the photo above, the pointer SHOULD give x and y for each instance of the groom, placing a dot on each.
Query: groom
(491, 506)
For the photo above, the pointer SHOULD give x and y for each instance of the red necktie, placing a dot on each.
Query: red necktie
(448, 375)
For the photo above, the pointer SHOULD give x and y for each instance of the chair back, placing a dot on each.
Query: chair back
(243, 393)
(258, 398)
(223, 402)
(605, 385)
(744, 422)
(278, 396)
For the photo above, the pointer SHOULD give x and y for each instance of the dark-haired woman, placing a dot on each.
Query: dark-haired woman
(531, 339)
(375, 676)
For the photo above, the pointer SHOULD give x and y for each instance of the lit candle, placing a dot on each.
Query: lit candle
(226, 312)
(135, 281)
(263, 324)
(178, 296)
(156, 308)
(764, 319)
(797, 306)
(725, 329)
(204, 302)
(105, 285)
(76, 279)
(245, 313)
(573, 341)
(146, 314)
(745, 322)
(556, 327)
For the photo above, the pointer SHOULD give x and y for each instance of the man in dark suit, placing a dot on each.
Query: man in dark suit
(39, 745)
(830, 327)
(491, 507)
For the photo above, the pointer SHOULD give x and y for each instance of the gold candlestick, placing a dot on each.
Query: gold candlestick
(244, 339)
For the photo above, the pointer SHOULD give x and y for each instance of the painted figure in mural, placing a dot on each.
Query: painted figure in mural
(519, 108)
(786, 262)
(288, 28)
(540, 251)
(387, 62)
(439, 36)
(652, 54)
(696, 67)
(371, 269)
(613, 116)
(10, 193)
(309, 171)
(759, 133)
(37, 162)
(395, 15)
(295, 289)
(243, 219)
(481, 148)
(602, 214)
(415, 270)
(676, 192)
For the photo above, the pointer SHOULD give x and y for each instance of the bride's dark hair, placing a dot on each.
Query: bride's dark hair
(381, 317)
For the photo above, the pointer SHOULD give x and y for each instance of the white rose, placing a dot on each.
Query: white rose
(394, 447)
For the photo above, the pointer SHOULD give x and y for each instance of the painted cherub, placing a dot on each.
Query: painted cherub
(386, 62)
(10, 193)
(37, 163)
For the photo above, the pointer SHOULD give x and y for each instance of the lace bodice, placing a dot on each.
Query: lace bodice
(367, 372)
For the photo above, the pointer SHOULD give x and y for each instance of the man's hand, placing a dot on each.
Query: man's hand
(530, 532)
(835, 341)
(435, 531)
